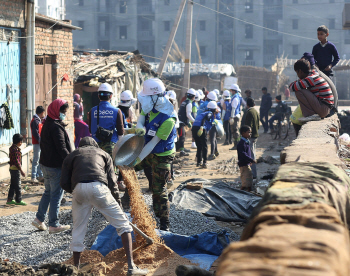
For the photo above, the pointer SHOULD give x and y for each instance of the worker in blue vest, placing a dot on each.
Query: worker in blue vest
(226, 114)
(201, 126)
(236, 102)
(210, 97)
(186, 119)
(159, 150)
(111, 122)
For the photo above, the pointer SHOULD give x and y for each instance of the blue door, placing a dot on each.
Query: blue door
(10, 81)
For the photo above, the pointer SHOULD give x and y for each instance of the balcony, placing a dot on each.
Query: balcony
(145, 35)
(249, 63)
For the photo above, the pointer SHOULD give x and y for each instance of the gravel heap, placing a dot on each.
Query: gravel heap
(21, 242)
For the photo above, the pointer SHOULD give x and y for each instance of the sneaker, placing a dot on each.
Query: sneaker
(217, 154)
(121, 185)
(314, 117)
(187, 150)
(21, 203)
(170, 184)
(137, 271)
(58, 229)
(230, 142)
(204, 166)
(34, 180)
(199, 165)
(12, 202)
(226, 143)
(233, 148)
(38, 224)
(41, 179)
(211, 157)
(182, 154)
(194, 146)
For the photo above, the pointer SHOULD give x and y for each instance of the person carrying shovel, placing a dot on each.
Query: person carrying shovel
(88, 174)
(159, 150)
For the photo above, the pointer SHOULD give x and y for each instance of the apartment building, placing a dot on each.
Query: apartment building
(52, 8)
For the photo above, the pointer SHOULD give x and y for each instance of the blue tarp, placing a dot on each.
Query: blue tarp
(202, 249)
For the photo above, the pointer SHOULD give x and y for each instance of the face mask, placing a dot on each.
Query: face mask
(161, 104)
(62, 116)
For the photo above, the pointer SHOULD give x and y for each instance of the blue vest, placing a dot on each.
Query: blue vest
(207, 124)
(238, 108)
(200, 102)
(151, 129)
(124, 120)
(108, 119)
(228, 110)
(202, 107)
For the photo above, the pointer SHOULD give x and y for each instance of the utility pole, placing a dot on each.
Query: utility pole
(171, 37)
(217, 30)
(186, 81)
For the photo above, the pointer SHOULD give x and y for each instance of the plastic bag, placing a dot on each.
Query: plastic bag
(345, 137)
(296, 115)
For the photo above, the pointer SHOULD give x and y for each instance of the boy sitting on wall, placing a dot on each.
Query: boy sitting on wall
(314, 95)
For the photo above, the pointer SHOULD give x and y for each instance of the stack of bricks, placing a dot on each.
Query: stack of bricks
(58, 42)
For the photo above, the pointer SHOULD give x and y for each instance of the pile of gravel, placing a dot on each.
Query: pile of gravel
(189, 222)
(23, 243)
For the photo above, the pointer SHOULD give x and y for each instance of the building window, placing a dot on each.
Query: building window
(122, 7)
(202, 25)
(331, 23)
(81, 2)
(102, 28)
(248, 6)
(249, 55)
(248, 31)
(202, 51)
(81, 24)
(295, 24)
(166, 26)
(166, 2)
(49, 10)
(123, 32)
(295, 50)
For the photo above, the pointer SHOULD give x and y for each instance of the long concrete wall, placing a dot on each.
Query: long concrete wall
(301, 224)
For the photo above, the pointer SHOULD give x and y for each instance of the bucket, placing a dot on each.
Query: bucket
(127, 149)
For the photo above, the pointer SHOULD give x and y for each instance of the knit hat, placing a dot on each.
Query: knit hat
(309, 57)
(278, 97)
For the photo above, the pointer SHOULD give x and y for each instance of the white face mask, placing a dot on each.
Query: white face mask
(62, 116)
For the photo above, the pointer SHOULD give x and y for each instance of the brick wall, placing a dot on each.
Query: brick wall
(58, 42)
(12, 13)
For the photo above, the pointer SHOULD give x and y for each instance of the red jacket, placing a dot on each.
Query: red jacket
(35, 126)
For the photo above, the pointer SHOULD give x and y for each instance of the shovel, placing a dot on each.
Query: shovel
(148, 239)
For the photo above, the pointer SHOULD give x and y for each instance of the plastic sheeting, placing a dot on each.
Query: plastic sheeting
(202, 249)
(216, 199)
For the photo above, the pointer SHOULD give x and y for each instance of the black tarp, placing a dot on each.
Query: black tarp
(216, 199)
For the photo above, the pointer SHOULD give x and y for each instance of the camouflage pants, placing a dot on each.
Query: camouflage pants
(161, 173)
(108, 147)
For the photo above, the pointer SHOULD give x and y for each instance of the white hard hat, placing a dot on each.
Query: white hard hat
(171, 94)
(126, 98)
(152, 87)
(217, 91)
(191, 91)
(201, 94)
(105, 87)
(226, 93)
(235, 87)
(212, 105)
(197, 97)
(212, 96)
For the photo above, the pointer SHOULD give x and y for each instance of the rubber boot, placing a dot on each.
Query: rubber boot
(164, 224)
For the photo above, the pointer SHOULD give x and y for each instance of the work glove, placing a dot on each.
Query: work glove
(231, 121)
(130, 130)
(215, 122)
(200, 131)
(189, 125)
(140, 132)
(136, 162)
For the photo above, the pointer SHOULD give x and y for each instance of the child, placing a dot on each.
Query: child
(16, 171)
(245, 159)
(314, 95)
(35, 125)
(324, 52)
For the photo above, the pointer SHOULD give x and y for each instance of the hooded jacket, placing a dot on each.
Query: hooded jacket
(87, 164)
(54, 143)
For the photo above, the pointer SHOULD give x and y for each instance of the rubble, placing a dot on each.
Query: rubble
(228, 166)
